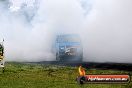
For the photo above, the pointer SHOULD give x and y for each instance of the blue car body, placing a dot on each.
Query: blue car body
(68, 48)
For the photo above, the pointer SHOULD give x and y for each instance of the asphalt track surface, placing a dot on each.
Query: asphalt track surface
(91, 65)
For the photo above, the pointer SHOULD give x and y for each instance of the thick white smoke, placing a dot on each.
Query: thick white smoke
(108, 30)
(29, 28)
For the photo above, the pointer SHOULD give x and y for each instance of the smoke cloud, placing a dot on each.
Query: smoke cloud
(29, 28)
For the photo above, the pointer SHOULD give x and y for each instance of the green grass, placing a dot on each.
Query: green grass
(18, 75)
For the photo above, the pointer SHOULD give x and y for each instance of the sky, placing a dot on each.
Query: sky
(104, 27)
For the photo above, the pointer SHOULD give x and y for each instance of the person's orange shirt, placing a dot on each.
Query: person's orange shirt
(81, 71)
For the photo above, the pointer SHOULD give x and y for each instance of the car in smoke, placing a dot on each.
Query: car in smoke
(68, 47)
